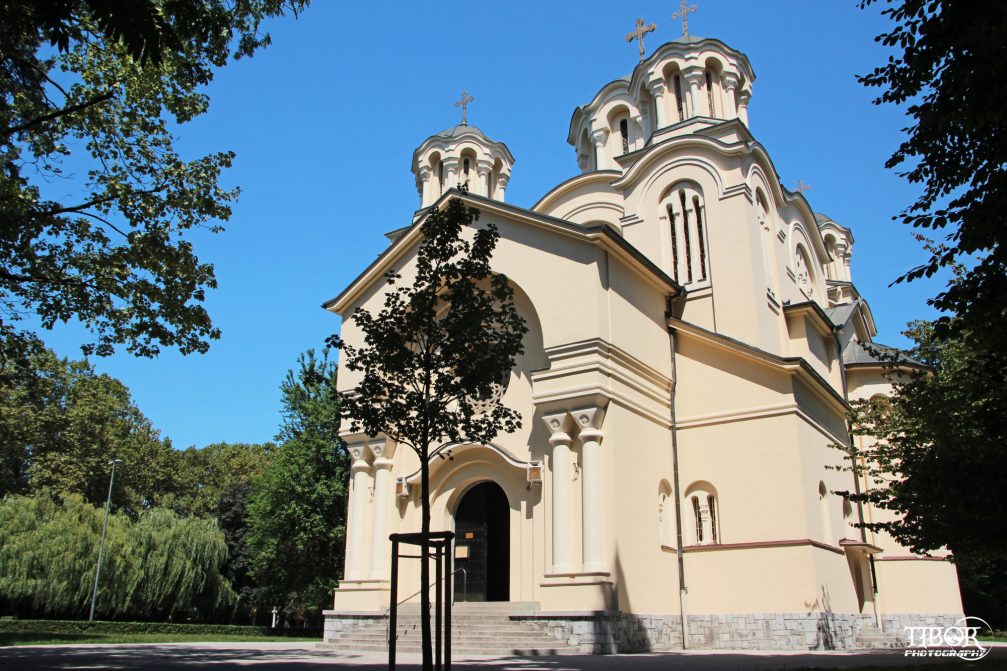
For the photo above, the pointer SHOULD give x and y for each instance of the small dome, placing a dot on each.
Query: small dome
(462, 155)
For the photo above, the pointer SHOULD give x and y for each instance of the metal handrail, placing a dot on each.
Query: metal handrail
(454, 597)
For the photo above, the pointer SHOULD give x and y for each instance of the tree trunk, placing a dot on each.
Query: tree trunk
(428, 657)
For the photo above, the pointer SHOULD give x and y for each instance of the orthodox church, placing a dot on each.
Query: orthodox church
(694, 339)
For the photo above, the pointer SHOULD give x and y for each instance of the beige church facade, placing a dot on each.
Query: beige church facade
(694, 338)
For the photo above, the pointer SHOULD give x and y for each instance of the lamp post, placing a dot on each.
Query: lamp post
(104, 530)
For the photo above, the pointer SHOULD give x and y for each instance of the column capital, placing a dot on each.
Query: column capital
(599, 136)
(693, 72)
(588, 419)
(559, 427)
(744, 96)
(503, 178)
(450, 162)
(657, 87)
(729, 80)
(383, 463)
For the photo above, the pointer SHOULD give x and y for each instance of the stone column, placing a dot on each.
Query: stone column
(593, 533)
(502, 180)
(698, 103)
(482, 185)
(561, 477)
(382, 493)
(743, 99)
(426, 186)
(356, 538)
(658, 91)
(450, 164)
(600, 139)
(729, 82)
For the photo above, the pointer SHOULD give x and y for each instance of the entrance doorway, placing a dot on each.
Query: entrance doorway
(482, 544)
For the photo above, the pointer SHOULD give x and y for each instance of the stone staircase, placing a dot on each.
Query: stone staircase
(871, 638)
(477, 629)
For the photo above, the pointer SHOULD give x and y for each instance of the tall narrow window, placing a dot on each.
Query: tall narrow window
(466, 169)
(698, 514)
(709, 93)
(700, 237)
(440, 175)
(679, 101)
(624, 132)
(674, 243)
(712, 504)
(687, 238)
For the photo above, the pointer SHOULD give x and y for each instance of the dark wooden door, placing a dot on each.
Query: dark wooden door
(471, 555)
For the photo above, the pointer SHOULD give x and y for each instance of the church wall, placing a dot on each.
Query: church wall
(913, 585)
(586, 199)
(639, 454)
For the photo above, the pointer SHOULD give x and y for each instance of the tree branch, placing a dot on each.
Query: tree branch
(58, 113)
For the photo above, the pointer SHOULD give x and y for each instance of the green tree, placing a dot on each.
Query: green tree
(90, 92)
(950, 73)
(298, 509)
(156, 566)
(203, 476)
(60, 424)
(434, 356)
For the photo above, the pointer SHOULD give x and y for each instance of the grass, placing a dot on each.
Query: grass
(49, 638)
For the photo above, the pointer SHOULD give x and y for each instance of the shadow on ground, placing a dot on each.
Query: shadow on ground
(253, 657)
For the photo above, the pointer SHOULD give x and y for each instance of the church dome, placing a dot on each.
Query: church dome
(687, 81)
(461, 156)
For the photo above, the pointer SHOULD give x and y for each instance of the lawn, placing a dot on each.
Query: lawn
(8, 638)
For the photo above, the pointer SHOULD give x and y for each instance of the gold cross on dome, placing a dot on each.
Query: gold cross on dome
(464, 104)
(638, 34)
(802, 187)
(683, 14)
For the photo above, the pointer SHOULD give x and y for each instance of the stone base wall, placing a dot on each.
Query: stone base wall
(338, 622)
(896, 623)
(608, 632)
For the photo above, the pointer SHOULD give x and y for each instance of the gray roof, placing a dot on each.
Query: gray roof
(857, 353)
(461, 129)
(839, 314)
(822, 218)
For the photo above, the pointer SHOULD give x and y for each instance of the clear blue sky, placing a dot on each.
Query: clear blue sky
(325, 120)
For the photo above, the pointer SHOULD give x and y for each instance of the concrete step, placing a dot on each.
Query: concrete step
(870, 637)
(456, 650)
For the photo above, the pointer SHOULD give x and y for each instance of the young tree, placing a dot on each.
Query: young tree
(95, 200)
(433, 357)
(297, 514)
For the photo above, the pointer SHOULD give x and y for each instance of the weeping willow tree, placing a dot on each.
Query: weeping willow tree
(157, 566)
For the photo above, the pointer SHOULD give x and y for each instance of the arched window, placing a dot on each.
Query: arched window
(440, 176)
(705, 515)
(624, 134)
(679, 99)
(666, 514)
(687, 224)
(766, 235)
(697, 516)
(804, 274)
(709, 94)
(823, 503)
(465, 169)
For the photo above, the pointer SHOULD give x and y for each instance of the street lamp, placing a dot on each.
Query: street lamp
(104, 529)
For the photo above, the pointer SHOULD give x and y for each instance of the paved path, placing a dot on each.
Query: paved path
(302, 657)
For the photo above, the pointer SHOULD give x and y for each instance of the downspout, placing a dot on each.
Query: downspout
(856, 479)
(679, 550)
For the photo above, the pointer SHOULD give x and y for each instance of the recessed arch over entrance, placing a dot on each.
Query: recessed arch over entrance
(482, 539)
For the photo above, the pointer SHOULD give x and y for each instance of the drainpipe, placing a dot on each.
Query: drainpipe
(679, 550)
(856, 479)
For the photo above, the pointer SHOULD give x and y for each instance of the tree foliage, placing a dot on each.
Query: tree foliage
(297, 514)
(203, 477)
(157, 566)
(95, 200)
(60, 424)
(434, 356)
(950, 73)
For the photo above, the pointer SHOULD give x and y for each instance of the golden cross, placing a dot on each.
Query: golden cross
(464, 104)
(683, 14)
(802, 187)
(638, 34)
